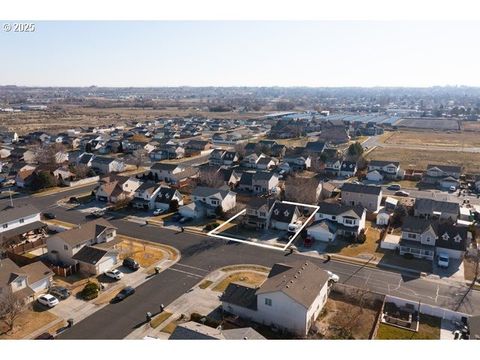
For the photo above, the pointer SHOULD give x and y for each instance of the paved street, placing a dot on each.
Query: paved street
(200, 255)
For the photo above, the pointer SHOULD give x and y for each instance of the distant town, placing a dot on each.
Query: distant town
(239, 213)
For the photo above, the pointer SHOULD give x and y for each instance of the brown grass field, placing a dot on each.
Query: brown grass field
(434, 138)
(410, 158)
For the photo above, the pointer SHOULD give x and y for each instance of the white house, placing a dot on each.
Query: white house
(63, 246)
(117, 188)
(19, 221)
(387, 169)
(107, 165)
(145, 195)
(290, 299)
(210, 199)
(374, 175)
(283, 214)
(165, 196)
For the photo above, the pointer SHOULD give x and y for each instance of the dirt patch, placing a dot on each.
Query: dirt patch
(437, 138)
(245, 277)
(145, 255)
(469, 267)
(157, 320)
(343, 320)
(28, 322)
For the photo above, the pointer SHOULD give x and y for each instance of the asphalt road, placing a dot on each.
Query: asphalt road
(200, 255)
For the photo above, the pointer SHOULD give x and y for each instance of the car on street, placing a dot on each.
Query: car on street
(292, 228)
(49, 215)
(96, 214)
(333, 277)
(443, 260)
(402, 193)
(124, 293)
(60, 292)
(394, 187)
(114, 274)
(48, 300)
(131, 263)
(73, 200)
(158, 212)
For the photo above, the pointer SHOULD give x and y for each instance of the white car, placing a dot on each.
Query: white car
(452, 188)
(48, 300)
(158, 212)
(443, 260)
(114, 274)
(333, 277)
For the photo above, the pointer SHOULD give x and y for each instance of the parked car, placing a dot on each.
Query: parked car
(333, 277)
(49, 215)
(394, 187)
(124, 293)
(185, 219)
(73, 200)
(48, 300)
(292, 228)
(443, 260)
(96, 214)
(60, 292)
(131, 263)
(158, 212)
(452, 188)
(402, 193)
(114, 274)
(176, 217)
(45, 336)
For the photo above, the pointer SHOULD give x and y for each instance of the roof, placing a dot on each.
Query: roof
(315, 146)
(22, 229)
(383, 163)
(163, 166)
(195, 331)
(9, 271)
(363, 189)
(348, 166)
(337, 209)
(148, 187)
(90, 255)
(415, 224)
(430, 205)
(17, 212)
(302, 281)
(240, 295)
(84, 232)
(165, 195)
(203, 191)
(283, 212)
(451, 236)
(446, 168)
(37, 271)
(246, 333)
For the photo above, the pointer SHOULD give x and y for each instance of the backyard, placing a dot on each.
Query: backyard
(429, 329)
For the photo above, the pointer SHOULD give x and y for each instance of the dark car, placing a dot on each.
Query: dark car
(131, 263)
(124, 293)
(73, 200)
(176, 217)
(60, 292)
(49, 215)
(45, 336)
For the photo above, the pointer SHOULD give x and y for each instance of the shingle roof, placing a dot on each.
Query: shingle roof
(383, 163)
(283, 212)
(37, 271)
(165, 195)
(447, 168)
(9, 213)
(203, 191)
(240, 295)
(364, 189)
(337, 209)
(430, 205)
(90, 255)
(448, 234)
(302, 281)
(84, 232)
(415, 224)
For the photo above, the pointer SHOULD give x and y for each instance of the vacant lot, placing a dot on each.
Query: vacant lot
(425, 123)
(429, 329)
(416, 159)
(434, 138)
(342, 320)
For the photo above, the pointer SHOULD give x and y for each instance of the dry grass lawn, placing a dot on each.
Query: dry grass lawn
(410, 158)
(28, 322)
(145, 255)
(370, 247)
(437, 138)
(429, 329)
(160, 318)
(245, 277)
(205, 284)
(469, 269)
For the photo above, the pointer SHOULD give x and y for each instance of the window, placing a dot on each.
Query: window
(65, 247)
(21, 221)
(411, 236)
(334, 217)
(349, 221)
(268, 302)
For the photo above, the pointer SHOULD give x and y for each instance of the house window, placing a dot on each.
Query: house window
(411, 236)
(21, 221)
(268, 302)
(261, 213)
(348, 221)
(65, 247)
(334, 217)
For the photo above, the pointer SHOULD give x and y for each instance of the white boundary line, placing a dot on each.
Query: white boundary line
(214, 232)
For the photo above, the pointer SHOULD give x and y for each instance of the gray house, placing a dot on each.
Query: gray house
(367, 196)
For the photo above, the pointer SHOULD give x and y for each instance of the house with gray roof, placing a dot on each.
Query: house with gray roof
(194, 331)
(430, 208)
(368, 196)
(290, 299)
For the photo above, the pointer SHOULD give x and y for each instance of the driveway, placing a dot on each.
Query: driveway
(455, 271)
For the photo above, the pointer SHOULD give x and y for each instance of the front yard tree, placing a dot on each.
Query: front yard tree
(355, 150)
(210, 178)
(10, 309)
(219, 211)
(139, 157)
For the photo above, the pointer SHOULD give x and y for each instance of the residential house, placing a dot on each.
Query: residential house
(333, 219)
(258, 182)
(290, 299)
(106, 165)
(250, 161)
(8, 137)
(282, 215)
(63, 246)
(191, 330)
(315, 148)
(367, 196)
(209, 199)
(145, 195)
(114, 189)
(26, 282)
(175, 175)
(95, 260)
(430, 208)
(386, 169)
(17, 223)
(348, 169)
(333, 165)
(85, 159)
(194, 147)
(297, 160)
(257, 213)
(267, 163)
(312, 185)
(165, 196)
(443, 176)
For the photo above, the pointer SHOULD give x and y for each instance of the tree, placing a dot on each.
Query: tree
(47, 155)
(11, 306)
(398, 216)
(139, 157)
(210, 177)
(43, 180)
(80, 171)
(219, 211)
(355, 150)
(302, 190)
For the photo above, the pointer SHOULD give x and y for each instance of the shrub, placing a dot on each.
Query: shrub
(90, 291)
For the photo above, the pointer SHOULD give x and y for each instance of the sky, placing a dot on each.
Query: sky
(242, 53)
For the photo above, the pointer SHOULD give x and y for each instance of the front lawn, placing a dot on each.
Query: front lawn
(371, 246)
(28, 322)
(160, 318)
(247, 277)
(429, 329)
(145, 255)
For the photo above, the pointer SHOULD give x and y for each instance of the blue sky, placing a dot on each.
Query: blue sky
(242, 53)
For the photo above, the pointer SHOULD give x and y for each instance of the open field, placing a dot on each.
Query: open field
(434, 138)
(410, 158)
(429, 123)
(69, 116)
(429, 329)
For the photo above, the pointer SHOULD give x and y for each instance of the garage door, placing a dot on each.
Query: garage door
(40, 285)
(107, 263)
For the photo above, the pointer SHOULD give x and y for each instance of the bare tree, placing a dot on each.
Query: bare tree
(240, 149)
(303, 190)
(81, 171)
(139, 157)
(47, 155)
(11, 306)
(210, 177)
